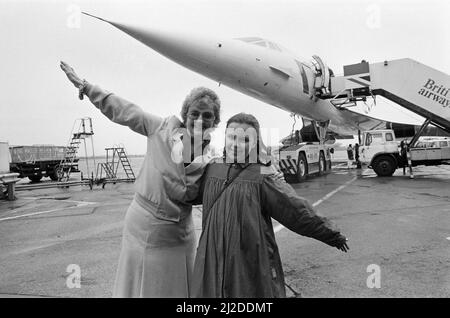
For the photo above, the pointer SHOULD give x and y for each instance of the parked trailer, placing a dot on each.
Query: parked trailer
(38, 161)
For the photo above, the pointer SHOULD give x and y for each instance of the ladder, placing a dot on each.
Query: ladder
(115, 156)
(83, 131)
(109, 170)
(125, 163)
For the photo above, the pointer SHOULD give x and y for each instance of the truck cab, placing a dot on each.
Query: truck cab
(383, 153)
(380, 151)
(376, 142)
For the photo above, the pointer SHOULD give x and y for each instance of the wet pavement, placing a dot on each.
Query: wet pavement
(397, 225)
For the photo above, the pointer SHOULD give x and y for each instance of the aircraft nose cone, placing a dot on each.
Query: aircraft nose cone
(185, 49)
(160, 41)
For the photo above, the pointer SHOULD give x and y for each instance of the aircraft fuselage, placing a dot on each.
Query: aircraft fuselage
(270, 74)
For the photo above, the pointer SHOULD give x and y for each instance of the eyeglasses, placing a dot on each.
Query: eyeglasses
(206, 116)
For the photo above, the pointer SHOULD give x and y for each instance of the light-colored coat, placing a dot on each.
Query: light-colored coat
(158, 242)
(163, 180)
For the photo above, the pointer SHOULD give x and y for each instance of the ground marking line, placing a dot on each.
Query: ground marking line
(55, 199)
(279, 227)
(82, 204)
(29, 295)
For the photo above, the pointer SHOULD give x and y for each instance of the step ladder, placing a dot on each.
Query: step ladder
(125, 163)
(107, 171)
(83, 128)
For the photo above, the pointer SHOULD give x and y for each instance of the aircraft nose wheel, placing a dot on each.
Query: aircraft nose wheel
(321, 164)
(301, 168)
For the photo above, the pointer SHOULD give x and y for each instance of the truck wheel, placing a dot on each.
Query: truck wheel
(35, 178)
(384, 166)
(54, 175)
(322, 164)
(302, 167)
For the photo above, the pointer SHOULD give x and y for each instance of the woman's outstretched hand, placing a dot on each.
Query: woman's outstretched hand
(71, 75)
(342, 245)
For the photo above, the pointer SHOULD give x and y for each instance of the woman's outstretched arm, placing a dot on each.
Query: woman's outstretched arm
(114, 107)
(282, 203)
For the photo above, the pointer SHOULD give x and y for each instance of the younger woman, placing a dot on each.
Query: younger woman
(237, 254)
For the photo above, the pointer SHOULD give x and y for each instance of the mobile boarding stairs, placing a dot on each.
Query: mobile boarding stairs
(415, 86)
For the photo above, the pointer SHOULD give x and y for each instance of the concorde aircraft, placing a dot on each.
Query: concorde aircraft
(259, 68)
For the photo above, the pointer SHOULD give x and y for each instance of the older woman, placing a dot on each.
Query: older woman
(158, 244)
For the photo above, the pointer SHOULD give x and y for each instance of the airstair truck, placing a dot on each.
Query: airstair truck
(416, 87)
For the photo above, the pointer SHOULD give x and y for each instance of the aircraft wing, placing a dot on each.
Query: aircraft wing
(359, 121)
(345, 128)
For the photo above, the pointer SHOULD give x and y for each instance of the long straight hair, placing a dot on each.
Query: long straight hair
(261, 150)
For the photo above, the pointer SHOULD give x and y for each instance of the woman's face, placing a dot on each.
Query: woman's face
(240, 140)
(200, 117)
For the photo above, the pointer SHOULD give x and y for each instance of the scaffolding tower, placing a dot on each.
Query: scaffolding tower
(81, 131)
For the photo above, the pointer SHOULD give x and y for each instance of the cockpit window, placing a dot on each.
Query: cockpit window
(249, 39)
(273, 46)
(261, 42)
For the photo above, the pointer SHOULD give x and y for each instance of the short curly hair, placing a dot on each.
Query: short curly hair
(201, 95)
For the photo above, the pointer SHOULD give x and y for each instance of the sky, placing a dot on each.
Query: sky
(38, 105)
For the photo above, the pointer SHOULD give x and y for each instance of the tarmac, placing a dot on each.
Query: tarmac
(398, 230)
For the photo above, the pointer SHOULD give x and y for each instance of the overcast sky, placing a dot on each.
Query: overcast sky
(38, 105)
